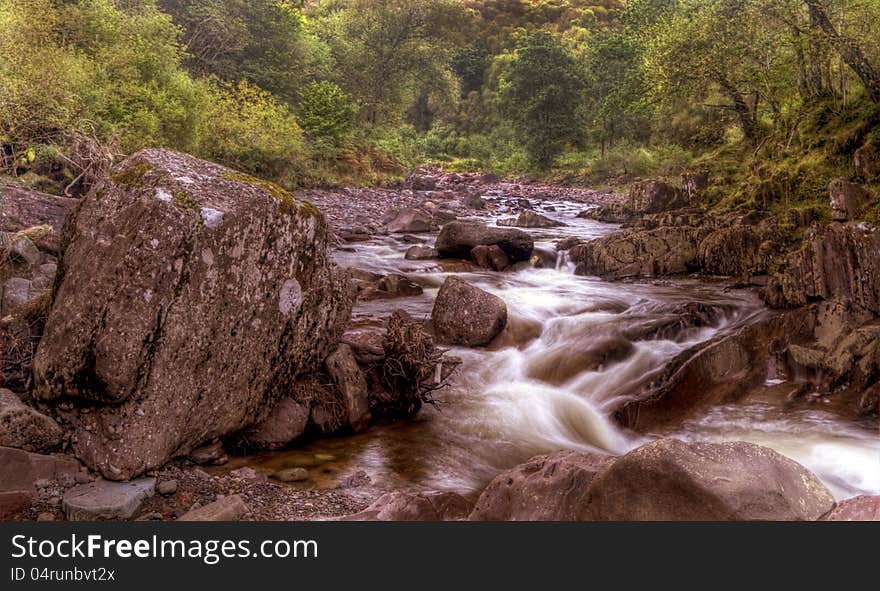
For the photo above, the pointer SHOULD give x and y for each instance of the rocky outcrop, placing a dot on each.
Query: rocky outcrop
(669, 480)
(552, 487)
(458, 239)
(424, 506)
(736, 251)
(23, 427)
(838, 261)
(209, 294)
(466, 315)
(640, 253)
(530, 219)
(848, 199)
(655, 197)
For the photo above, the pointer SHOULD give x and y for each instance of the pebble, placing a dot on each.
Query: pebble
(167, 487)
(292, 475)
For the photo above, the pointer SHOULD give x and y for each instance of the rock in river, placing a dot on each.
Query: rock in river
(458, 239)
(467, 315)
(669, 480)
(209, 293)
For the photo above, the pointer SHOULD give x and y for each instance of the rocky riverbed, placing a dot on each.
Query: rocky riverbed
(422, 346)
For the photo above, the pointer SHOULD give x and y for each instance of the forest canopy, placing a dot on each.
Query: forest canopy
(333, 91)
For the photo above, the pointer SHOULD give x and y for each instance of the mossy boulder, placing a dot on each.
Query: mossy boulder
(191, 298)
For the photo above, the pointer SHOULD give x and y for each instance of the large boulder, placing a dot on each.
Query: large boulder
(23, 427)
(669, 480)
(209, 293)
(458, 239)
(640, 253)
(546, 488)
(467, 315)
(407, 506)
(838, 261)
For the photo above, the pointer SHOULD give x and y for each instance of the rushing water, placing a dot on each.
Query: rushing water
(575, 347)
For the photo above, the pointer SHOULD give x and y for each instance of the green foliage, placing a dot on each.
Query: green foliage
(540, 92)
(250, 130)
(325, 112)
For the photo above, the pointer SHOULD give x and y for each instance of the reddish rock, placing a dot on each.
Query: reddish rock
(864, 508)
(466, 315)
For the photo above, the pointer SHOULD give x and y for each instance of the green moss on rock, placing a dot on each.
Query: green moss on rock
(132, 176)
(288, 203)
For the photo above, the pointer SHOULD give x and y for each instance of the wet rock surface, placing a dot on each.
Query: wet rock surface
(466, 315)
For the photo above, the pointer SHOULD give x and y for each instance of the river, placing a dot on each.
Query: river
(575, 347)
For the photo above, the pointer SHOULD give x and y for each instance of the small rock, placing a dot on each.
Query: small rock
(421, 253)
(231, 508)
(43, 483)
(46, 517)
(211, 453)
(107, 500)
(292, 475)
(247, 473)
(167, 487)
(24, 251)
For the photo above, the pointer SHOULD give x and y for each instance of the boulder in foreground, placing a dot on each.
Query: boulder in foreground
(424, 506)
(669, 480)
(467, 315)
(208, 294)
(553, 487)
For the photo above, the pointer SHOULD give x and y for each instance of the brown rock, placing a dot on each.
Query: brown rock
(285, 423)
(848, 199)
(490, 257)
(458, 239)
(412, 221)
(546, 488)
(351, 384)
(16, 483)
(231, 508)
(735, 252)
(404, 506)
(530, 219)
(23, 427)
(838, 261)
(640, 253)
(864, 508)
(21, 209)
(655, 197)
(466, 315)
(209, 293)
(421, 253)
(668, 480)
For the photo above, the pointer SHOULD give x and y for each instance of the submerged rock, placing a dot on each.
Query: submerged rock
(467, 315)
(209, 292)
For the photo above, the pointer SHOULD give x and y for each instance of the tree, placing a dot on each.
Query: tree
(540, 92)
(325, 112)
(387, 51)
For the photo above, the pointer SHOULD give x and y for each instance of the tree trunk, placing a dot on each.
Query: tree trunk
(850, 52)
(743, 110)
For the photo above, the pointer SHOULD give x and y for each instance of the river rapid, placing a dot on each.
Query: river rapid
(574, 349)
